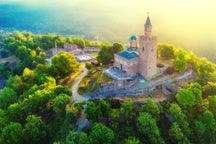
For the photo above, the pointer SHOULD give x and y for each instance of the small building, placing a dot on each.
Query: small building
(73, 49)
(127, 61)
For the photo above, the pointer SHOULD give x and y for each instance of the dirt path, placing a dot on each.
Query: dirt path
(8, 59)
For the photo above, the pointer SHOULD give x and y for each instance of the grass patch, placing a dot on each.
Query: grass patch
(94, 54)
(92, 80)
(104, 78)
(70, 80)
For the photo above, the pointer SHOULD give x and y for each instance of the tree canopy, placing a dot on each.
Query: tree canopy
(165, 50)
(106, 54)
(63, 65)
(100, 134)
(146, 124)
(185, 97)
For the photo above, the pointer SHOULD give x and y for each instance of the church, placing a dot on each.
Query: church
(140, 58)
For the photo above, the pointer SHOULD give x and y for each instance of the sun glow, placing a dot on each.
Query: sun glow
(186, 23)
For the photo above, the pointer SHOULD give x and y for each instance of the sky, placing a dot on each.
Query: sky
(190, 24)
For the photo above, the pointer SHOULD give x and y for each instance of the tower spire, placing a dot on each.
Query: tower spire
(148, 22)
(148, 26)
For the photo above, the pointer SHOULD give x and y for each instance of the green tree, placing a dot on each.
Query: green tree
(59, 89)
(35, 130)
(100, 134)
(185, 97)
(165, 50)
(72, 138)
(180, 60)
(104, 107)
(180, 54)
(12, 134)
(79, 42)
(15, 113)
(5, 70)
(176, 133)
(60, 103)
(28, 75)
(60, 40)
(199, 128)
(105, 56)
(83, 138)
(41, 69)
(115, 115)
(180, 118)
(147, 125)
(71, 116)
(3, 119)
(16, 39)
(16, 83)
(77, 138)
(212, 104)
(209, 89)
(132, 140)
(180, 65)
(46, 41)
(93, 112)
(19, 67)
(36, 98)
(65, 64)
(126, 109)
(26, 56)
(151, 107)
(205, 68)
(200, 105)
(196, 88)
(117, 47)
(7, 97)
(88, 65)
(209, 122)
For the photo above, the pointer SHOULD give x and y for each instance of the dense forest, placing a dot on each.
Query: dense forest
(36, 108)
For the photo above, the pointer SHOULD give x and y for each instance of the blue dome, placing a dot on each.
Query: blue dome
(133, 37)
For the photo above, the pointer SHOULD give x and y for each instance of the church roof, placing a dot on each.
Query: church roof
(127, 55)
(148, 22)
(133, 37)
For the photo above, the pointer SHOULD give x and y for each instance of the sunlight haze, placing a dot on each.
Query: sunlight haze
(190, 24)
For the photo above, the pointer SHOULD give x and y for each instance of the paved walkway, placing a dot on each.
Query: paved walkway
(77, 97)
(83, 121)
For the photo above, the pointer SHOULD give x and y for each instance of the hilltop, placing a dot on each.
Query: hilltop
(37, 103)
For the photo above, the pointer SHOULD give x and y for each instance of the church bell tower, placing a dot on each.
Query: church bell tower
(148, 52)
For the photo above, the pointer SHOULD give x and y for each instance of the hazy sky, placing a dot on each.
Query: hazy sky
(187, 23)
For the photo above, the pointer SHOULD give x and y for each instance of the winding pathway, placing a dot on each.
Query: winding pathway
(77, 97)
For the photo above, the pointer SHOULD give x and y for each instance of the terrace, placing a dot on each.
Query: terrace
(117, 73)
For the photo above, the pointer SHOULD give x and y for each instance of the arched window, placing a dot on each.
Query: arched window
(152, 49)
(143, 49)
